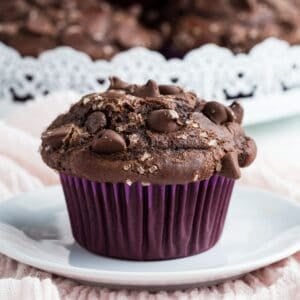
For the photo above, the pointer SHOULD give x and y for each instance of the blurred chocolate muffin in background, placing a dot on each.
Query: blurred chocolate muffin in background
(92, 26)
(235, 24)
(104, 31)
(103, 28)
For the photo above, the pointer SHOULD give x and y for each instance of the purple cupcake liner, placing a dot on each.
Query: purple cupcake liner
(150, 222)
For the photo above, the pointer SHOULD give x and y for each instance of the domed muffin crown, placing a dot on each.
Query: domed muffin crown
(149, 133)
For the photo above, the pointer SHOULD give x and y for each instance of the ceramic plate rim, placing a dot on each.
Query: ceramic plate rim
(160, 278)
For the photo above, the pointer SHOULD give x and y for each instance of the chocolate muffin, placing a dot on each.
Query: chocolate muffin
(147, 170)
(236, 24)
(93, 26)
(103, 28)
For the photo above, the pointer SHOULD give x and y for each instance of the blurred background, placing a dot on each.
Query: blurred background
(54, 51)
(103, 28)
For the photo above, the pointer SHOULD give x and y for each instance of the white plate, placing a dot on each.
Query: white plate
(267, 108)
(261, 228)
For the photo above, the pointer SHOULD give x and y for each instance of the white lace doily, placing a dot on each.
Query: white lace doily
(268, 77)
(211, 71)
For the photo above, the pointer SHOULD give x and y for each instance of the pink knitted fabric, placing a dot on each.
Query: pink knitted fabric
(21, 169)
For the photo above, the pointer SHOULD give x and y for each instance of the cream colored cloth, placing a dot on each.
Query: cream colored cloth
(21, 169)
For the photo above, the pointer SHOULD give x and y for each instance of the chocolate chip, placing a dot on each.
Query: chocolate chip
(79, 111)
(150, 89)
(40, 24)
(230, 114)
(170, 89)
(128, 33)
(246, 5)
(230, 166)
(216, 112)
(96, 22)
(249, 154)
(108, 141)
(117, 84)
(76, 37)
(163, 120)
(238, 111)
(55, 137)
(95, 121)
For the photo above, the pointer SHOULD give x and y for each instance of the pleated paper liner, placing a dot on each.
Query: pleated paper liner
(147, 222)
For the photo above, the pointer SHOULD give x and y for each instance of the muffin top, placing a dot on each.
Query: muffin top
(148, 133)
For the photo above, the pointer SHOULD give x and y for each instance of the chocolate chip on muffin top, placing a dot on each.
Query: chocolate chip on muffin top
(149, 133)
